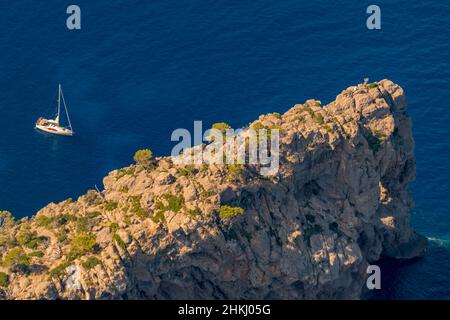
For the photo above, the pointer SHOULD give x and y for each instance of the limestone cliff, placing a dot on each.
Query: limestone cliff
(339, 201)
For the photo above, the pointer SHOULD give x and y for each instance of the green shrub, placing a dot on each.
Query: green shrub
(183, 172)
(196, 212)
(221, 126)
(61, 236)
(113, 227)
(93, 214)
(174, 203)
(7, 241)
(4, 280)
(125, 172)
(158, 217)
(25, 236)
(136, 207)
(235, 171)
(6, 219)
(187, 171)
(60, 270)
(38, 254)
(44, 221)
(228, 212)
(257, 126)
(127, 220)
(328, 128)
(93, 197)
(81, 245)
(119, 242)
(308, 109)
(143, 157)
(29, 239)
(111, 205)
(16, 256)
(318, 117)
(374, 141)
(83, 224)
(372, 85)
(208, 193)
(277, 115)
(70, 217)
(90, 263)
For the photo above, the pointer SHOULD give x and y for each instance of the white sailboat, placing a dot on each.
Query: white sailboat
(53, 125)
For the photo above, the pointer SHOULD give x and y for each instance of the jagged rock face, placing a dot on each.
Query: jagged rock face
(339, 201)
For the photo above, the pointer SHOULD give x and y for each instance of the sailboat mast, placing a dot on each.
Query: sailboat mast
(59, 104)
(67, 112)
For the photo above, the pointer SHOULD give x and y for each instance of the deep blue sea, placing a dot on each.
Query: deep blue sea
(139, 69)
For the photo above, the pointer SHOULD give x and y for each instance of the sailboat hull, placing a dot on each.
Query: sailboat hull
(53, 126)
(55, 130)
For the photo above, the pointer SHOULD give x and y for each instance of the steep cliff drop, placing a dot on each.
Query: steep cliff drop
(339, 202)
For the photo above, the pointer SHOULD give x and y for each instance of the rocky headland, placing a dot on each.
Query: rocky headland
(339, 202)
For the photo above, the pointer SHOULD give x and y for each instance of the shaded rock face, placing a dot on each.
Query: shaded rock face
(339, 201)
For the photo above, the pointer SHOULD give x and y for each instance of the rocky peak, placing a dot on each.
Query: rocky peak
(339, 201)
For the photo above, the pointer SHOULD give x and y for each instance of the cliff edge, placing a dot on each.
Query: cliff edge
(339, 202)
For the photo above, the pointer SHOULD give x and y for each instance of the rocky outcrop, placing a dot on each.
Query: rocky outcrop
(339, 201)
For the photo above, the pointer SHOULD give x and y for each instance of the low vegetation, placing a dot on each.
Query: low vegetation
(15, 257)
(125, 172)
(6, 219)
(318, 118)
(118, 240)
(277, 115)
(228, 212)
(375, 140)
(144, 158)
(194, 213)
(59, 270)
(174, 203)
(113, 227)
(30, 239)
(221, 126)
(136, 207)
(235, 172)
(187, 171)
(111, 205)
(90, 262)
(81, 245)
(92, 197)
(62, 235)
(4, 280)
(7, 241)
(44, 221)
(257, 126)
(308, 109)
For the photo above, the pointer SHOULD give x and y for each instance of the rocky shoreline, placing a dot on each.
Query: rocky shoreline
(339, 202)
